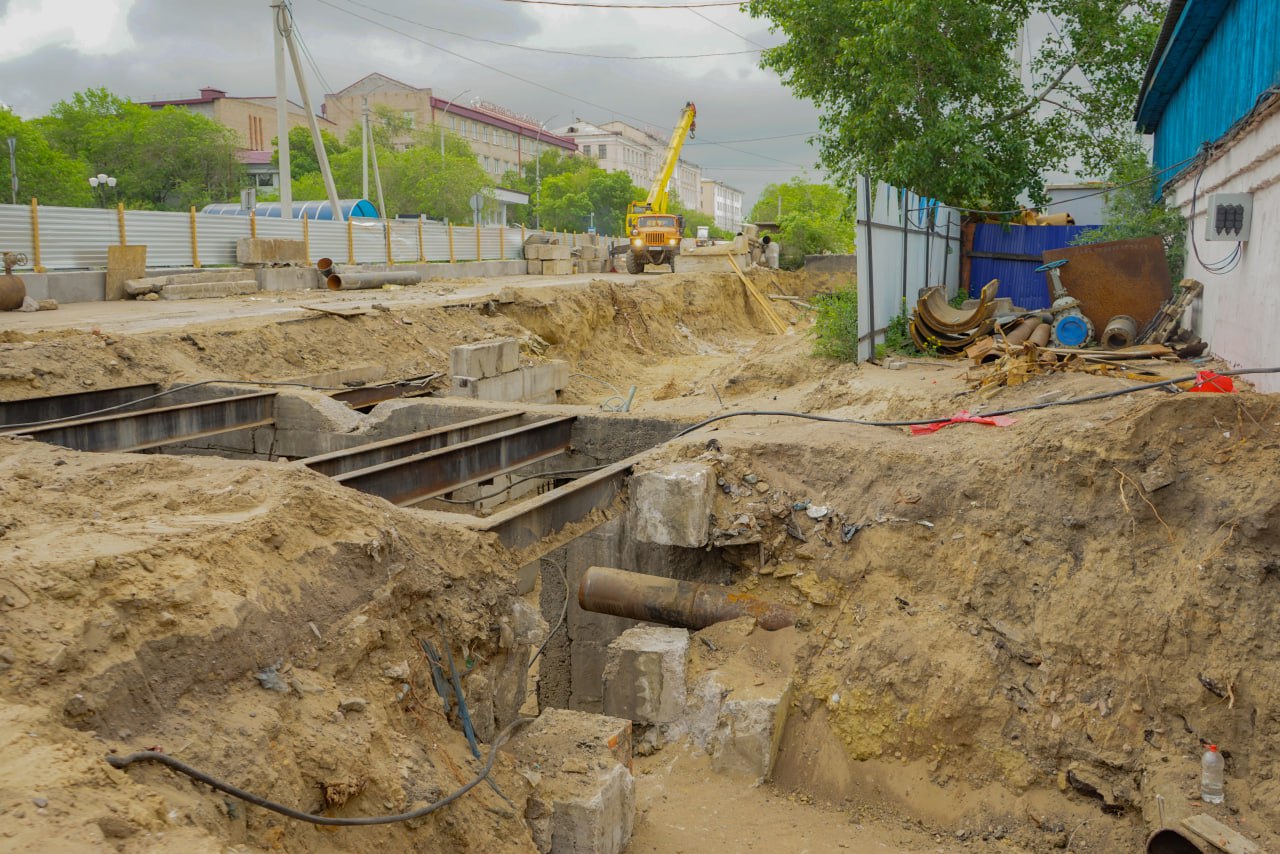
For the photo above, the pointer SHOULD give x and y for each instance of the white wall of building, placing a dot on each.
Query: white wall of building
(1239, 312)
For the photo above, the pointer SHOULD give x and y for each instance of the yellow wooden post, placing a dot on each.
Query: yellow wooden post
(422, 252)
(502, 243)
(452, 257)
(386, 230)
(195, 244)
(479, 256)
(253, 224)
(522, 236)
(351, 243)
(120, 223)
(35, 236)
(306, 240)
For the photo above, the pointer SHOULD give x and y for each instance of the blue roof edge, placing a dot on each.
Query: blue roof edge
(1188, 26)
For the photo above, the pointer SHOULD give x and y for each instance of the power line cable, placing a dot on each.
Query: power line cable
(544, 49)
(752, 139)
(726, 29)
(581, 5)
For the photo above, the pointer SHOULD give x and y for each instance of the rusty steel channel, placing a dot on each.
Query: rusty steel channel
(530, 521)
(152, 428)
(363, 397)
(399, 447)
(30, 410)
(419, 477)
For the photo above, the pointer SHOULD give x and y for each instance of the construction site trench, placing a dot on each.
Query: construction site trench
(288, 547)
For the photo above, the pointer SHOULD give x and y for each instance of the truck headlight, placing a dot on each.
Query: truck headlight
(673, 241)
(637, 242)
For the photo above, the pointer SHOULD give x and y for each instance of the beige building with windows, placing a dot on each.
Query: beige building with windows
(722, 202)
(502, 140)
(254, 122)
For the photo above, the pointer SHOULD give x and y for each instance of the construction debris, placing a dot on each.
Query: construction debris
(936, 325)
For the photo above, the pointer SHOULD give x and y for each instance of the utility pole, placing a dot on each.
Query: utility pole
(377, 173)
(282, 110)
(321, 155)
(364, 149)
(13, 166)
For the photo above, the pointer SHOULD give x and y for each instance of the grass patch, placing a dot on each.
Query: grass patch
(835, 324)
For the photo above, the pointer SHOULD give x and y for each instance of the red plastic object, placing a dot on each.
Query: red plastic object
(962, 417)
(1208, 381)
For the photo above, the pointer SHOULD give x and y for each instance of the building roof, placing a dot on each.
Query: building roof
(382, 80)
(1188, 26)
(209, 94)
(510, 123)
(254, 158)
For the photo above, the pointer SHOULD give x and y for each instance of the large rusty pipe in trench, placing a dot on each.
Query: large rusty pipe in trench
(685, 604)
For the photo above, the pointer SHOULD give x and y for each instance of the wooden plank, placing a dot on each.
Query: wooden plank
(1218, 834)
(779, 326)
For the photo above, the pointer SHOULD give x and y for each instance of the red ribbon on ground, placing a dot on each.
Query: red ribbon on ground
(963, 417)
(1208, 381)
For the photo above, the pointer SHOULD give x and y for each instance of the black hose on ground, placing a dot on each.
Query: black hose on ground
(1170, 383)
(196, 774)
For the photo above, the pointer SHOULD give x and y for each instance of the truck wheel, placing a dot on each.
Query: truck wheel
(634, 265)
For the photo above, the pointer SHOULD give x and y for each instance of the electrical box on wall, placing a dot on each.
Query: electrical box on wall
(1230, 215)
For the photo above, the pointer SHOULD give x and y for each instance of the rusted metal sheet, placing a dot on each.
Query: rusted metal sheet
(364, 397)
(1129, 277)
(152, 428)
(55, 406)
(376, 453)
(416, 478)
(686, 604)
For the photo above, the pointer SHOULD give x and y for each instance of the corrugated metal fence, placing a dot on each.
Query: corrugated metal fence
(905, 243)
(55, 238)
(1011, 253)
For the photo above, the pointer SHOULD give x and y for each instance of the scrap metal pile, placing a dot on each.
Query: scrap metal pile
(938, 326)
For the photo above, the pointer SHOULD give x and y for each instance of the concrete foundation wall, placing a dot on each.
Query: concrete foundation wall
(1239, 312)
(831, 264)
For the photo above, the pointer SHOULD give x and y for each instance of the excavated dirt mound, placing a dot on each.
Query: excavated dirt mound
(1013, 630)
(257, 621)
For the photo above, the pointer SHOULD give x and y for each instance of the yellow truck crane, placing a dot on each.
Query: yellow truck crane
(655, 234)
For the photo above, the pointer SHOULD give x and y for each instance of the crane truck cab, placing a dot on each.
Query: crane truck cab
(655, 239)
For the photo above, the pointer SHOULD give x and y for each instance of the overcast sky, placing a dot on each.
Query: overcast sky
(152, 49)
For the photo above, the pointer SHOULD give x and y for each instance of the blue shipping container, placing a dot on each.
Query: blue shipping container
(1027, 289)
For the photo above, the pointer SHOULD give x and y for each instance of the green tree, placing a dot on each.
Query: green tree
(816, 218)
(168, 158)
(302, 152)
(47, 174)
(1135, 210)
(923, 93)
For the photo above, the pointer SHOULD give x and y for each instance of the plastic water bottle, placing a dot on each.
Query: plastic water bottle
(1211, 766)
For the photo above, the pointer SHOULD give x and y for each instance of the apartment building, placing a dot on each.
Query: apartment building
(620, 147)
(722, 202)
(253, 119)
(502, 140)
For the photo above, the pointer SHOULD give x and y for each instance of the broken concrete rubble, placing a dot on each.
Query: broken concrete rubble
(644, 675)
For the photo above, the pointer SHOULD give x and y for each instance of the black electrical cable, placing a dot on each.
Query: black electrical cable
(564, 612)
(196, 774)
(924, 421)
(1224, 265)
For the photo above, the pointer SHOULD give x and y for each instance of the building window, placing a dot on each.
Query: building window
(586, 149)
(410, 118)
(601, 152)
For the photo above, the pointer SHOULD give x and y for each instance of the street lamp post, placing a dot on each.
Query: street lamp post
(101, 182)
(442, 117)
(537, 169)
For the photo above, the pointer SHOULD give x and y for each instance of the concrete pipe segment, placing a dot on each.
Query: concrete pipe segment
(685, 604)
(364, 281)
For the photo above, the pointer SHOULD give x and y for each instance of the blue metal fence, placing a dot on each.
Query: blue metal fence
(1017, 250)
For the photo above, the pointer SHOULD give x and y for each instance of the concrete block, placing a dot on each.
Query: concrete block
(287, 278)
(751, 231)
(86, 286)
(507, 387)
(831, 263)
(557, 268)
(314, 412)
(210, 290)
(533, 268)
(556, 252)
(541, 380)
(671, 506)
(740, 723)
(533, 251)
(583, 800)
(644, 674)
(508, 355)
(270, 250)
(485, 358)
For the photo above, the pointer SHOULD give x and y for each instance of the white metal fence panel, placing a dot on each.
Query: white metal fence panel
(464, 242)
(489, 244)
(15, 231)
(435, 236)
(77, 237)
(166, 235)
(404, 240)
(513, 247)
(369, 240)
(217, 236)
(905, 243)
(328, 239)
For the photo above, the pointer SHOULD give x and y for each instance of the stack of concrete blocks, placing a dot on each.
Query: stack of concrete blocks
(548, 259)
(208, 285)
(583, 798)
(279, 264)
(490, 370)
(591, 257)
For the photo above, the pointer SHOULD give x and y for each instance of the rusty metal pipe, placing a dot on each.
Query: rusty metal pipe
(325, 267)
(13, 291)
(1022, 331)
(1120, 332)
(364, 281)
(1040, 335)
(685, 604)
